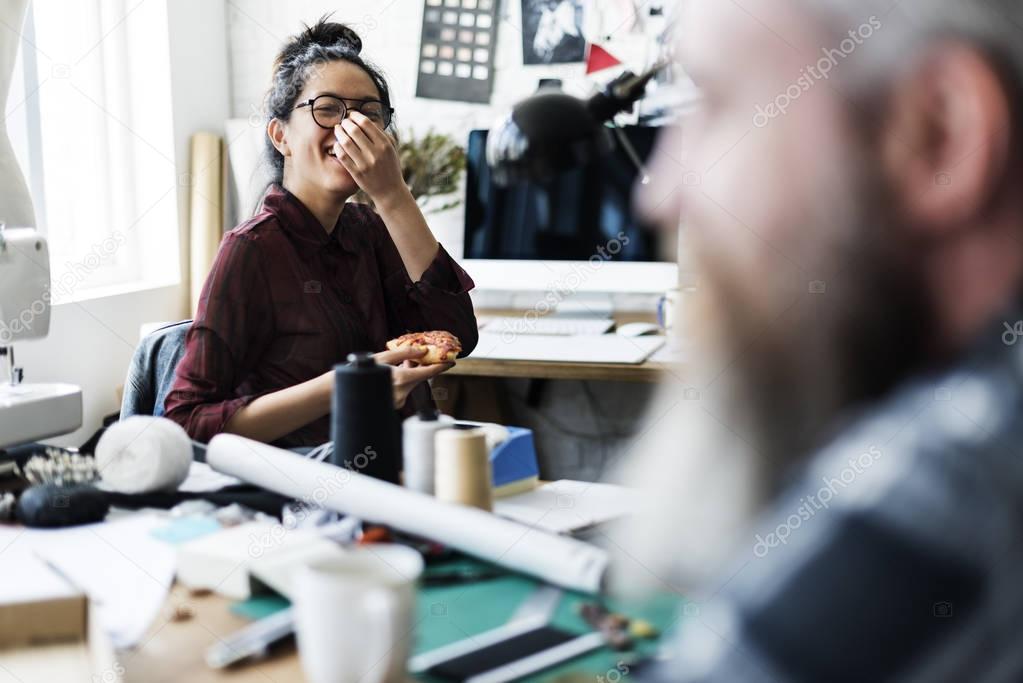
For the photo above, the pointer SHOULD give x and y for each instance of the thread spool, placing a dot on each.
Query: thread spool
(364, 424)
(462, 467)
(418, 453)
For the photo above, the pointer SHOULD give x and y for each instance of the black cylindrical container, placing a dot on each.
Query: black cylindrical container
(364, 425)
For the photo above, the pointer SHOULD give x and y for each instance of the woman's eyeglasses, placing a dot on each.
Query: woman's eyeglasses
(328, 111)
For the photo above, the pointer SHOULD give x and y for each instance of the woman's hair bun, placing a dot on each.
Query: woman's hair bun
(324, 42)
(329, 34)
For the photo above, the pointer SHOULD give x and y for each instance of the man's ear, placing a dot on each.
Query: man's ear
(275, 129)
(946, 138)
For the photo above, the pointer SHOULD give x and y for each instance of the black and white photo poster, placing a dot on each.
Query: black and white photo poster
(552, 31)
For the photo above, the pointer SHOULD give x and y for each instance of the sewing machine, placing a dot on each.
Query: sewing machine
(29, 412)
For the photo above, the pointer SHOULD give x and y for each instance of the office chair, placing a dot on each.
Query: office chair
(151, 373)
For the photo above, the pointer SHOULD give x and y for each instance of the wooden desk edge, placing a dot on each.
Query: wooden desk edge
(648, 371)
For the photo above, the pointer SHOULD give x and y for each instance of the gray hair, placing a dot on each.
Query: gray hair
(995, 27)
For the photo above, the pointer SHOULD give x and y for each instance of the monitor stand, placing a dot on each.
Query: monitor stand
(585, 305)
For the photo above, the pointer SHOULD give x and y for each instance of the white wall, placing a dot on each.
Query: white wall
(200, 87)
(90, 344)
(390, 31)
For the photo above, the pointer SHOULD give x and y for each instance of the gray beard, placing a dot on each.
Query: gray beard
(762, 395)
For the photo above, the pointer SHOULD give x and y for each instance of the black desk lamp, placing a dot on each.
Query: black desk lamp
(552, 131)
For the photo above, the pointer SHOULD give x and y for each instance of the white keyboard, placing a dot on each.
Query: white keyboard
(548, 325)
(592, 348)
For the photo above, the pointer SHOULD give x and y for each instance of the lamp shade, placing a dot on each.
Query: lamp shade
(543, 136)
(552, 132)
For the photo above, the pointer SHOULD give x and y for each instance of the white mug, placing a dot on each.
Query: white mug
(354, 614)
(667, 309)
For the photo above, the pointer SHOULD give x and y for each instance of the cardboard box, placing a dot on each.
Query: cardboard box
(47, 620)
(42, 648)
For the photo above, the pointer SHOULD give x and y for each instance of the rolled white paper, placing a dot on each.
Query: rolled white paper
(143, 454)
(562, 561)
(418, 452)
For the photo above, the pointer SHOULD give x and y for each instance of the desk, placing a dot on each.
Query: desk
(174, 650)
(649, 371)
(472, 389)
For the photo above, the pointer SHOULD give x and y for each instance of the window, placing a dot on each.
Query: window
(89, 115)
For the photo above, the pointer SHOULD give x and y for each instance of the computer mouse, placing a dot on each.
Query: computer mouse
(637, 329)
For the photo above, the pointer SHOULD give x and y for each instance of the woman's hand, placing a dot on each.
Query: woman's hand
(407, 374)
(369, 155)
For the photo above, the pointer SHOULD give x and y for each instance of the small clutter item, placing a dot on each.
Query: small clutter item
(364, 425)
(52, 505)
(613, 626)
(354, 614)
(619, 630)
(61, 494)
(144, 454)
(567, 506)
(7, 505)
(462, 465)
(565, 562)
(666, 306)
(418, 453)
(513, 463)
(227, 561)
(60, 467)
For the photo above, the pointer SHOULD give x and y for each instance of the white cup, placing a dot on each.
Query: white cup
(354, 614)
(667, 309)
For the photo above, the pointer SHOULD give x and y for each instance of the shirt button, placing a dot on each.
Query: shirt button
(346, 297)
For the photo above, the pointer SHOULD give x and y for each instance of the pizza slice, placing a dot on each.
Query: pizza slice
(441, 346)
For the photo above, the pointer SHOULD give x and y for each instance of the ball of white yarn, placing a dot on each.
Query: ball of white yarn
(143, 454)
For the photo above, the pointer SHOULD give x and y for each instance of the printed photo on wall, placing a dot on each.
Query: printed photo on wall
(552, 31)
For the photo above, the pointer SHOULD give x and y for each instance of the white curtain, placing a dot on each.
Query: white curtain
(15, 201)
(103, 169)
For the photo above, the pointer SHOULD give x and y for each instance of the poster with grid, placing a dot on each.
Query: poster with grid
(456, 52)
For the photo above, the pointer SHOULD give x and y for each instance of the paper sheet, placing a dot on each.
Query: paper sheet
(562, 561)
(566, 505)
(125, 571)
(26, 578)
(203, 478)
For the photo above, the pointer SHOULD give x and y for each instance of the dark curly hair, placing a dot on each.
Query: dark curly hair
(325, 41)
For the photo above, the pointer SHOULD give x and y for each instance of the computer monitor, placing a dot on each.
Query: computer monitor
(579, 232)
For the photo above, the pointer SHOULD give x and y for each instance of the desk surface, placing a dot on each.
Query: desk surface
(175, 647)
(173, 650)
(649, 371)
(604, 372)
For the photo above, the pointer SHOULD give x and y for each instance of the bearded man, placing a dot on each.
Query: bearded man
(837, 482)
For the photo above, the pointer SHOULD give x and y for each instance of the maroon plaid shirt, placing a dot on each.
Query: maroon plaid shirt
(285, 302)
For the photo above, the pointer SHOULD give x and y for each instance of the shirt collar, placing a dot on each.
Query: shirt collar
(296, 219)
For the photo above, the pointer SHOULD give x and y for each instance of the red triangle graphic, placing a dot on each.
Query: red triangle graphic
(597, 59)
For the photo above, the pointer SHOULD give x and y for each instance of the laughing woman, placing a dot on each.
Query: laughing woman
(312, 276)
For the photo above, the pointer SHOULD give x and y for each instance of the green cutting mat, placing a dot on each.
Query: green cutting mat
(450, 613)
